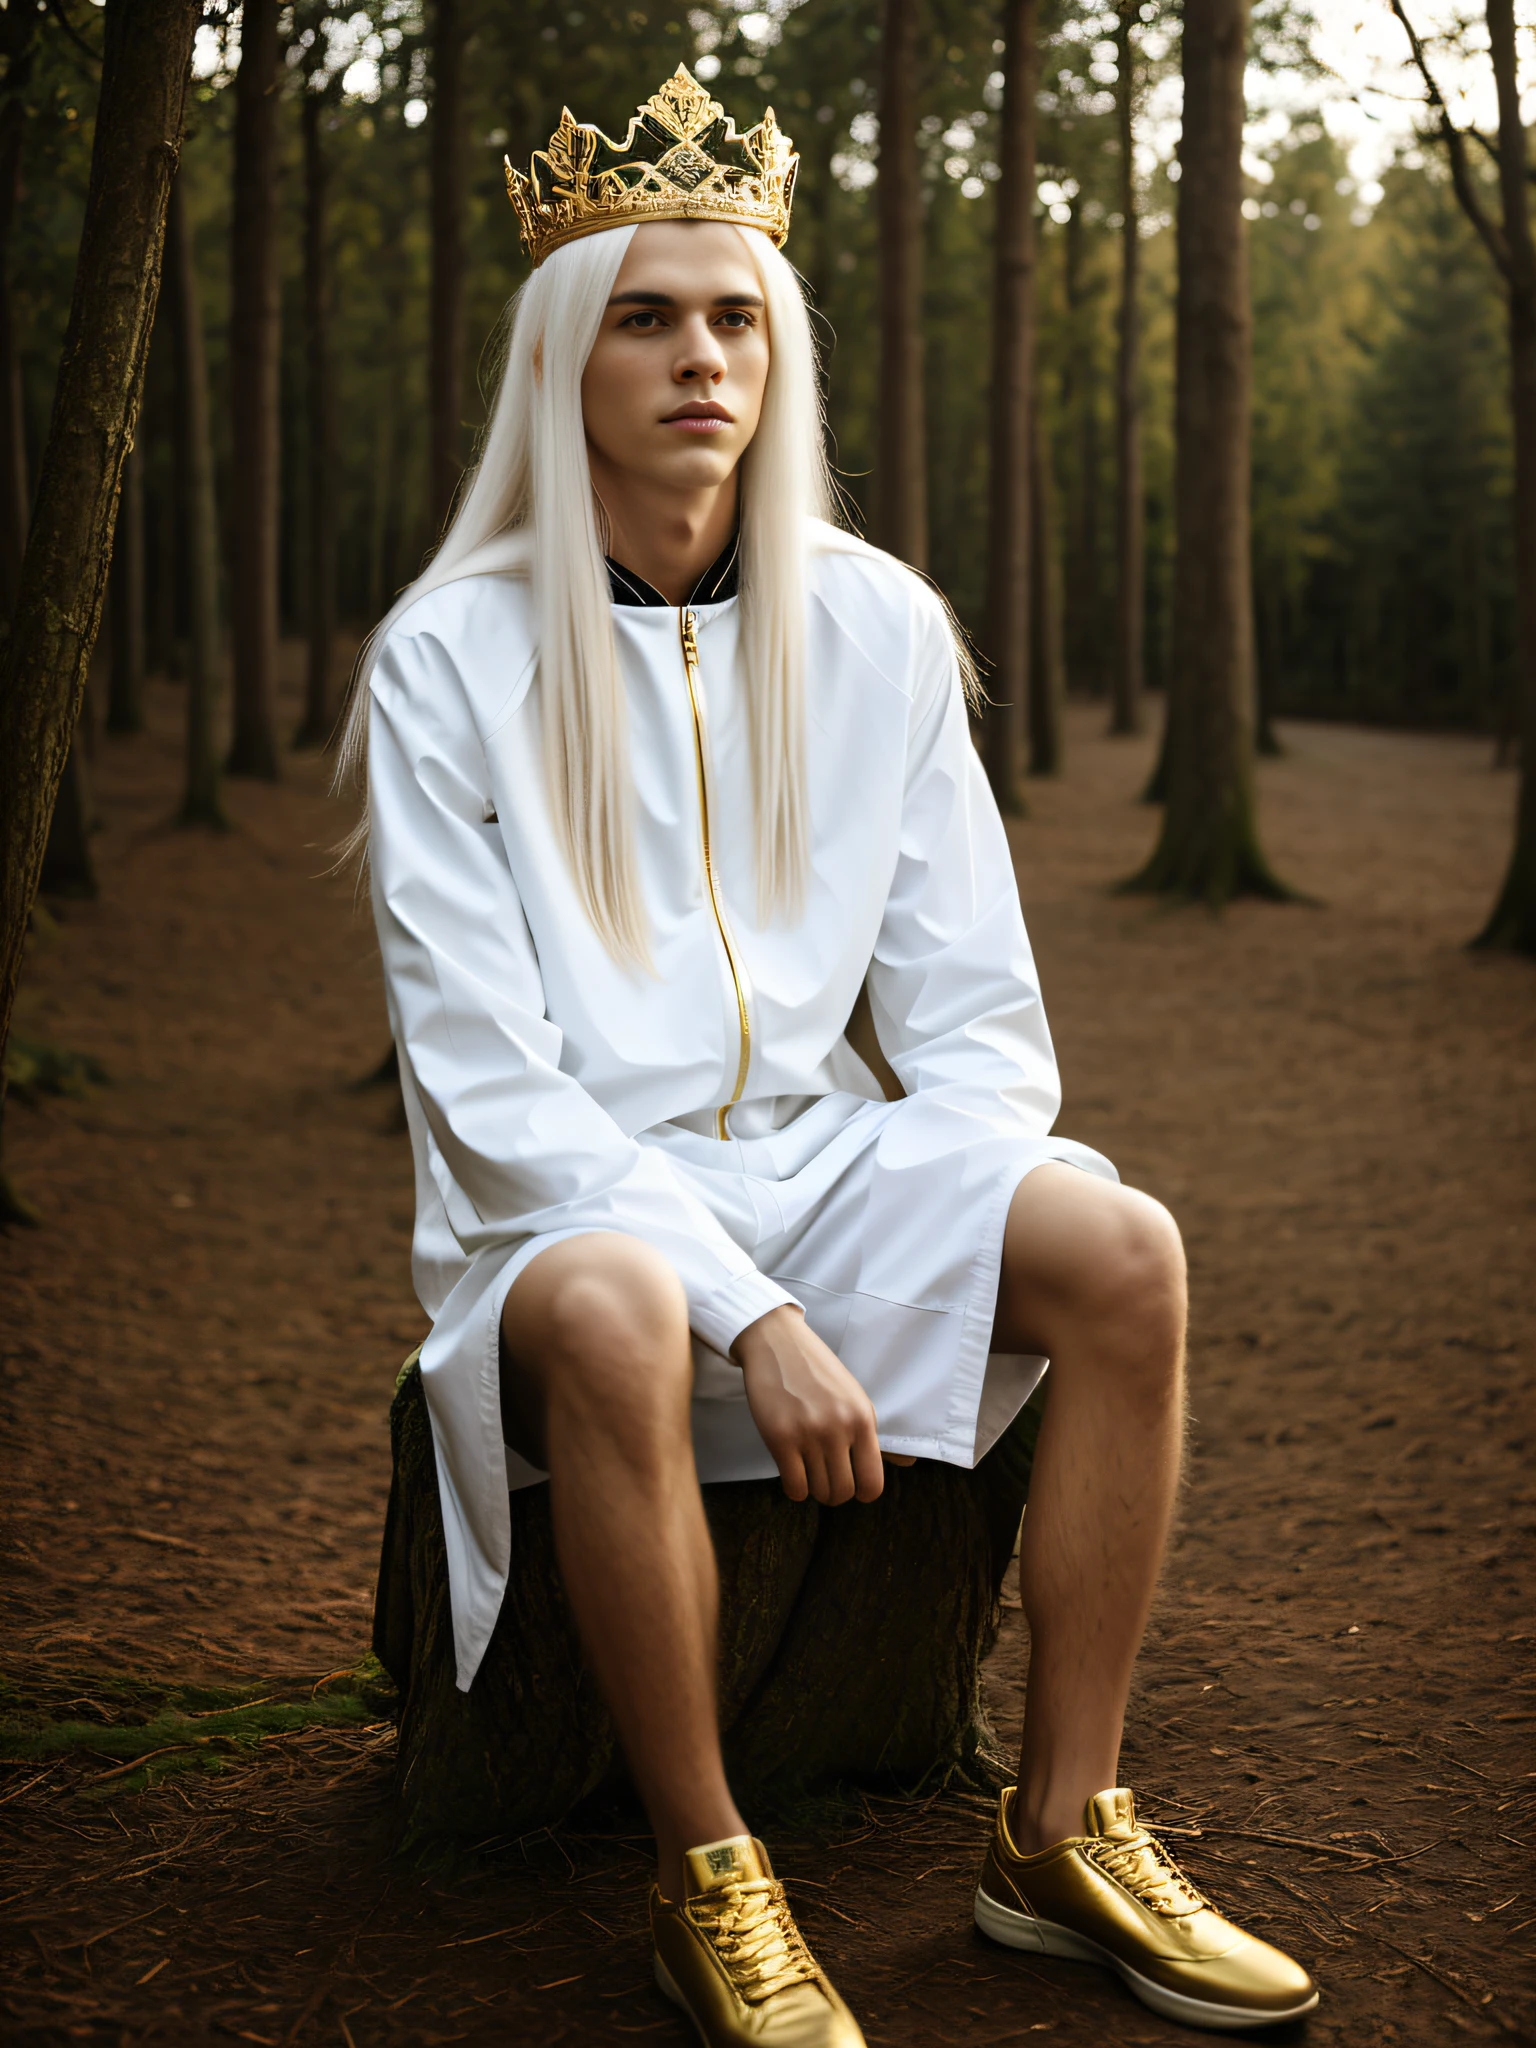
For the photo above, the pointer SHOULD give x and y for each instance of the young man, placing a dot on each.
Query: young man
(664, 769)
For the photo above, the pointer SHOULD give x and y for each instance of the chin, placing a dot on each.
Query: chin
(696, 469)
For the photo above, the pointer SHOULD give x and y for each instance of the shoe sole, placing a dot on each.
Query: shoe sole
(1046, 1937)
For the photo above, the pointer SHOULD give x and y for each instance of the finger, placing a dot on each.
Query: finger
(898, 1458)
(868, 1470)
(792, 1474)
(816, 1475)
(841, 1485)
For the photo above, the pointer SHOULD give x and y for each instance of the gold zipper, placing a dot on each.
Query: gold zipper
(690, 645)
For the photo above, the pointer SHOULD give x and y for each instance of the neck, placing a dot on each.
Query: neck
(668, 538)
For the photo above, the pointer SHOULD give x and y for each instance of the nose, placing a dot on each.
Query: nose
(700, 358)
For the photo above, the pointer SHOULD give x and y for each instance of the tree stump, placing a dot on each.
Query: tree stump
(851, 1641)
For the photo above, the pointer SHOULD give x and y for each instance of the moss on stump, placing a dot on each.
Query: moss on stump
(851, 1642)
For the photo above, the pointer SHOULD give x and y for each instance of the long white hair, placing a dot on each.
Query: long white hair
(528, 507)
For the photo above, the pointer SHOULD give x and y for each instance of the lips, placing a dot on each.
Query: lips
(699, 418)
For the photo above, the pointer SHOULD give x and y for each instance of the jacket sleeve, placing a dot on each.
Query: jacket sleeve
(952, 985)
(526, 1149)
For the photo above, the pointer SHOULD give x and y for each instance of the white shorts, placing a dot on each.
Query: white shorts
(885, 1222)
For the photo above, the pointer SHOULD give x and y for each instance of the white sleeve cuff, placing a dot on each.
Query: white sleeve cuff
(721, 1317)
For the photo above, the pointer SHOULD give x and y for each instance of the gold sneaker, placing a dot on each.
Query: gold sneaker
(1114, 1895)
(732, 1957)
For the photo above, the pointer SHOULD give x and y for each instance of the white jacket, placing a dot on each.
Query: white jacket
(544, 1081)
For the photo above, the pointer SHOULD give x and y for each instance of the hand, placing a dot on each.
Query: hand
(810, 1411)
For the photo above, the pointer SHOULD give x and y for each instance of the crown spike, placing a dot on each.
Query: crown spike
(681, 159)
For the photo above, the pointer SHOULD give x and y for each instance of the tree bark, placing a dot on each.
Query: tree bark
(1082, 608)
(163, 653)
(201, 802)
(1209, 845)
(816, 195)
(384, 518)
(255, 332)
(1013, 369)
(16, 44)
(851, 1642)
(446, 353)
(1126, 677)
(319, 712)
(899, 517)
(1512, 925)
(125, 702)
(386, 543)
(1047, 663)
(68, 869)
(146, 67)
(1266, 672)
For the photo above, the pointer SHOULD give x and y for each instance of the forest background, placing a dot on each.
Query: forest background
(1333, 1707)
(1383, 585)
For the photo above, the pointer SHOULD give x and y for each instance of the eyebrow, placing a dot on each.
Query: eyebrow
(666, 299)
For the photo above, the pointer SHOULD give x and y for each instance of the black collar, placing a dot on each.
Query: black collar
(718, 582)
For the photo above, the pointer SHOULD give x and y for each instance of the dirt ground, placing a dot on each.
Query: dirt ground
(1333, 1715)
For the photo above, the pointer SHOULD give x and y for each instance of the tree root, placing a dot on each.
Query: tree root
(1213, 866)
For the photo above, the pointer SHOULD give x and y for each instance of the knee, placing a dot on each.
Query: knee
(616, 1330)
(1097, 1261)
(1140, 1260)
(1139, 1307)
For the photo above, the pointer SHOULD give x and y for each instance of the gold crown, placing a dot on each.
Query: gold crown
(681, 159)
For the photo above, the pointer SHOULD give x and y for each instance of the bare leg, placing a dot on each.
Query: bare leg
(596, 1378)
(1093, 1278)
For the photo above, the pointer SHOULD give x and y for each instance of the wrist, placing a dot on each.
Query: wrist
(761, 1334)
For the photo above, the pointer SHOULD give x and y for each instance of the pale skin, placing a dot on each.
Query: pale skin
(596, 1363)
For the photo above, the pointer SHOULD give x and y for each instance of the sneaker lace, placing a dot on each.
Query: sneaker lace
(752, 1931)
(1141, 1864)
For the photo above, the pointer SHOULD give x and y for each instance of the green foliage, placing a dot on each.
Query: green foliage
(1414, 603)
(142, 1731)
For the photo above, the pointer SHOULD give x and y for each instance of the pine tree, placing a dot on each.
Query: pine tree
(901, 469)
(1011, 407)
(1209, 846)
(146, 67)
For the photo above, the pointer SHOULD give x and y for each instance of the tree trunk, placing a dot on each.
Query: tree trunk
(1209, 845)
(319, 712)
(899, 517)
(851, 1642)
(15, 494)
(1047, 666)
(255, 333)
(1082, 614)
(1512, 925)
(816, 195)
(1013, 361)
(1266, 669)
(125, 703)
(1126, 677)
(446, 362)
(384, 512)
(68, 869)
(146, 65)
(201, 802)
(163, 653)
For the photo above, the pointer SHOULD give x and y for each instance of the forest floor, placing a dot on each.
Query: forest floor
(199, 1345)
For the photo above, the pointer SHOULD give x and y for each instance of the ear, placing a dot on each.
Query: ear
(538, 360)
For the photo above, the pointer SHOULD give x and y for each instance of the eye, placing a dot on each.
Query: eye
(644, 321)
(736, 318)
